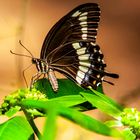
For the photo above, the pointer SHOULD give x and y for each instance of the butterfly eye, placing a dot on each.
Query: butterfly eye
(33, 61)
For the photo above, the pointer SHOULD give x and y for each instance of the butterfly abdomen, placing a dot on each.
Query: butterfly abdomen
(52, 79)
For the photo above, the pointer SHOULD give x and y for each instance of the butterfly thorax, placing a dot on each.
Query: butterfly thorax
(41, 65)
(43, 68)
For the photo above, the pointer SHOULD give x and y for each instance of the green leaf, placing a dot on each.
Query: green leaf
(107, 99)
(49, 132)
(69, 100)
(66, 87)
(15, 129)
(77, 117)
(88, 122)
(114, 123)
(104, 104)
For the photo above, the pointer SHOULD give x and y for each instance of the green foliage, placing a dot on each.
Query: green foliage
(49, 132)
(75, 116)
(131, 117)
(43, 101)
(11, 103)
(66, 87)
(128, 134)
(103, 103)
(16, 128)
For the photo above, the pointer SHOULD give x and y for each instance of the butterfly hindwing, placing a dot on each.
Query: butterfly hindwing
(80, 61)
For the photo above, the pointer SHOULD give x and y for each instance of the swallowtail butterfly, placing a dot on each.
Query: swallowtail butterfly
(70, 48)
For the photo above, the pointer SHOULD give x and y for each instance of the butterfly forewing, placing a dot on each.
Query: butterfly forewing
(81, 23)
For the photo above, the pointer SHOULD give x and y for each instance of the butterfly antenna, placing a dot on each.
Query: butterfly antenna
(20, 54)
(108, 82)
(25, 48)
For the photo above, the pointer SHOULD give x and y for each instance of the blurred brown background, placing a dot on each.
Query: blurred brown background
(118, 37)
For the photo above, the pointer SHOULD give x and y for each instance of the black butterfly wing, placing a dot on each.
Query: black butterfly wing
(82, 63)
(70, 46)
(72, 27)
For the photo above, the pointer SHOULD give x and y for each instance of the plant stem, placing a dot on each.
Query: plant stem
(31, 122)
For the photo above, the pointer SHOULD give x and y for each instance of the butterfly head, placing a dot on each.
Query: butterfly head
(34, 60)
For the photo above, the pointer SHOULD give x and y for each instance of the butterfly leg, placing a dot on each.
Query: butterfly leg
(44, 75)
(24, 77)
(34, 79)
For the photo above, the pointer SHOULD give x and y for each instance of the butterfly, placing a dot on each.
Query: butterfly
(70, 48)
